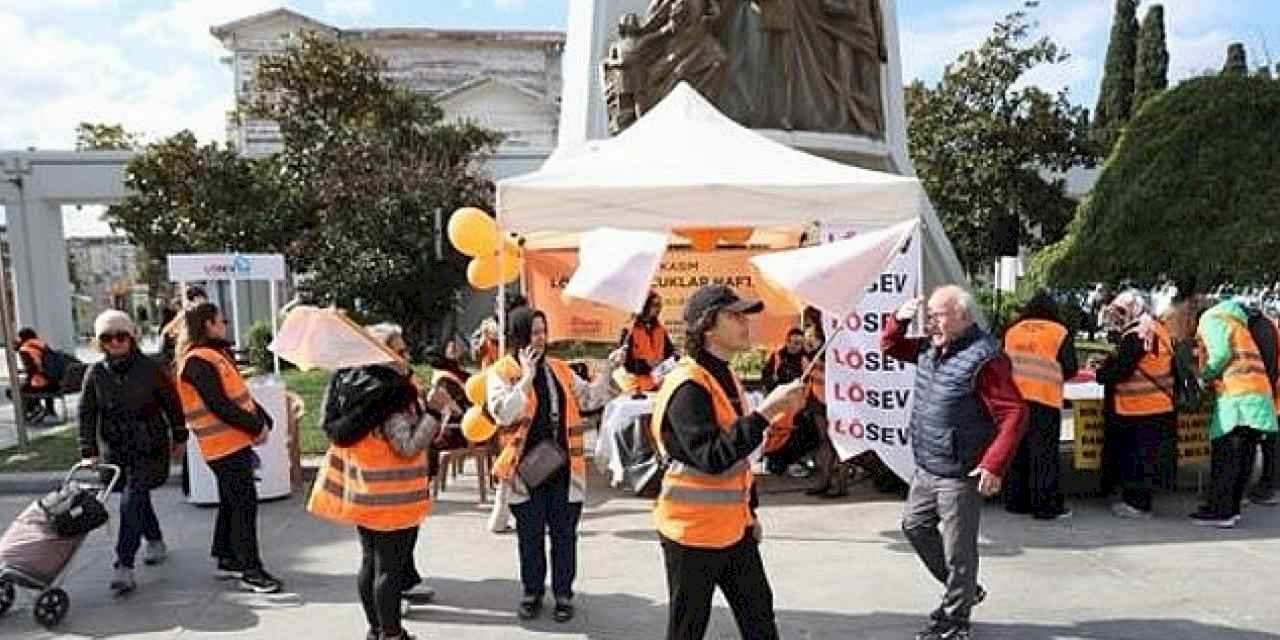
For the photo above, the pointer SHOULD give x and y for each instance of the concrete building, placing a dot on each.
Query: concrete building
(504, 80)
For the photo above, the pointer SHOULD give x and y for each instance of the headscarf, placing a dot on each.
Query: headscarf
(1041, 306)
(520, 327)
(1129, 312)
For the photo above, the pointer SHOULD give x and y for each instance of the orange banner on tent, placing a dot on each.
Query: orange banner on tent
(681, 273)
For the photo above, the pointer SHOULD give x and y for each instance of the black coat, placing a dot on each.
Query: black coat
(130, 415)
(358, 400)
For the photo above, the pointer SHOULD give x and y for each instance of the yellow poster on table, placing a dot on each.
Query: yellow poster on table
(1090, 429)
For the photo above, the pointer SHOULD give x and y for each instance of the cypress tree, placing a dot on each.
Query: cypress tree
(1115, 100)
(1237, 62)
(1152, 74)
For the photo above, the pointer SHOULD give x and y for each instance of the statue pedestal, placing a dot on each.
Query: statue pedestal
(593, 24)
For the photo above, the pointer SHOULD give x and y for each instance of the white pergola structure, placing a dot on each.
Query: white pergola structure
(34, 186)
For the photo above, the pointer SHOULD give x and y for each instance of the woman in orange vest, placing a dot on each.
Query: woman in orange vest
(1138, 382)
(374, 475)
(226, 422)
(537, 402)
(647, 345)
(705, 511)
(1043, 353)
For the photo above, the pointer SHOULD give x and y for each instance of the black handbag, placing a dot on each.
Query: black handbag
(73, 511)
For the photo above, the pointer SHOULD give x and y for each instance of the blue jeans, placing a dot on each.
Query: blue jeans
(137, 521)
(548, 511)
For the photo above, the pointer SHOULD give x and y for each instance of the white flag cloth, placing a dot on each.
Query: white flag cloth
(833, 277)
(616, 267)
(315, 338)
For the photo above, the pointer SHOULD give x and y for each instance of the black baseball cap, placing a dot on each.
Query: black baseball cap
(715, 297)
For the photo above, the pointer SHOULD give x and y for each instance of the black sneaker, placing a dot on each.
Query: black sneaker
(958, 632)
(403, 635)
(935, 630)
(1265, 498)
(530, 607)
(228, 570)
(259, 581)
(1061, 513)
(1206, 518)
(563, 611)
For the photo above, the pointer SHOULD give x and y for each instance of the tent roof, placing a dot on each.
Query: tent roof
(684, 164)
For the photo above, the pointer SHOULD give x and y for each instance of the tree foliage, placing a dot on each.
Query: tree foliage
(1152, 71)
(1115, 100)
(351, 197)
(92, 136)
(1189, 194)
(980, 140)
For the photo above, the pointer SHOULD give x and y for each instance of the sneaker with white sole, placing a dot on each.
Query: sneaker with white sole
(1205, 518)
(419, 593)
(1124, 510)
(156, 553)
(259, 581)
(122, 581)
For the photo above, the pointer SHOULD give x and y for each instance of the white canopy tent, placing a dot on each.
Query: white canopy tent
(684, 164)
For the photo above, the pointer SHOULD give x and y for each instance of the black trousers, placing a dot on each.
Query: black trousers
(1230, 466)
(137, 521)
(1139, 461)
(386, 560)
(548, 513)
(1269, 445)
(1034, 477)
(692, 577)
(235, 534)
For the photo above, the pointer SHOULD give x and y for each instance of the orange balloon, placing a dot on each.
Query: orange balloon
(512, 261)
(484, 272)
(475, 387)
(473, 232)
(736, 235)
(477, 427)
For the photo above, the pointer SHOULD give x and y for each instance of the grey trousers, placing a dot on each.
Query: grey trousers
(941, 521)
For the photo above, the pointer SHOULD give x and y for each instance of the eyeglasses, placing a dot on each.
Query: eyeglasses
(119, 336)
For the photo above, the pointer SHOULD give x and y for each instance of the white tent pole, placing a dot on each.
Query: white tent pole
(275, 299)
(500, 303)
(235, 307)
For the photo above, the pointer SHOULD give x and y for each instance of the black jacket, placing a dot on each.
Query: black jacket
(357, 400)
(130, 404)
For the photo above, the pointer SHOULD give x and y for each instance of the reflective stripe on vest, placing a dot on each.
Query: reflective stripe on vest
(1033, 347)
(693, 508)
(216, 438)
(1245, 372)
(369, 485)
(571, 417)
(1139, 395)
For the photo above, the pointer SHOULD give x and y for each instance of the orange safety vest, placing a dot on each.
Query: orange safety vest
(697, 509)
(1245, 372)
(217, 439)
(34, 348)
(1276, 387)
(1033, 347)
(1149, 390)
(648, 345)
(368, 484)
(512, 441)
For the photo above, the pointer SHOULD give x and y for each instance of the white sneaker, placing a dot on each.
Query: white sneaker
(123, 581)
(155, 554)
(1123, 510)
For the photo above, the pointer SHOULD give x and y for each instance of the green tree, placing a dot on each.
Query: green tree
(1115, 100)
(1189, 194)
(980, 142)
(1152, 72)
(105, 137)
(366, 163)
(1237, 61)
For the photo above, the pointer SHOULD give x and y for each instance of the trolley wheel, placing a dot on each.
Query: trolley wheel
(51, 607)
(7, 595)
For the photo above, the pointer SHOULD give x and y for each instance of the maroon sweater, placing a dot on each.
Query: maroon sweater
(995, 388)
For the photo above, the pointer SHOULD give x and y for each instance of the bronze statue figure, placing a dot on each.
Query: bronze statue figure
(808, 65)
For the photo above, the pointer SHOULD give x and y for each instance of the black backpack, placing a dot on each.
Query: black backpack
(54, 364)
(1187, 394)
(1264, 337)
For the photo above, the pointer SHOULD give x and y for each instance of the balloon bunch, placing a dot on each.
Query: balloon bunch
(493, 260)
(707, 238)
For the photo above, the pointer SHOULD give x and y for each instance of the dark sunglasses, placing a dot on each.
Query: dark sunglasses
(120, 336)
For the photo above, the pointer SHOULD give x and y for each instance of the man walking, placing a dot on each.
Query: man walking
(966, 422)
